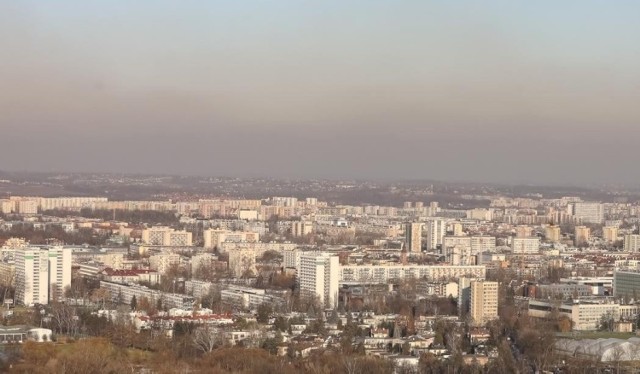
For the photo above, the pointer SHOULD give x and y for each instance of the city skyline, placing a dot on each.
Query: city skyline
(496, 92)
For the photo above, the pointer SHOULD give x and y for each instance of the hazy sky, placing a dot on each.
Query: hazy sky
(510, 91)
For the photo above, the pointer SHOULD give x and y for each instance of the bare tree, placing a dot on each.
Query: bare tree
(207, 338)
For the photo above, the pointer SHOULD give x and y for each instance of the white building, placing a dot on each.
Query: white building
(41, 274)
(436, 230)
(587, 212)
(319, 275)
(585, 316)
(632, 243)
(242, 262)
(301, 228)
(460, 250)
(163, 262)
(382, 274)
(27, 206)
(413, 237)
(216, 237)
(525, 245)
(166, 236)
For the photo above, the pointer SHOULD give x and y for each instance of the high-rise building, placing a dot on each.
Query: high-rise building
(587, 212)
(59, 271)
(582, 235)
(42, 274)
(483, 303)
(610, 234)
(436, 230)
(301, 228)
(457, 229)
(318, 276)
(626, 283)
(632, 243)
(552, 233)
(413, 236)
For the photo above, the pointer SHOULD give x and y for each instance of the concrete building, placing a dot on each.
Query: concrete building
(582, 235)
(585, 316)
(413, 237)
(552, 233)
(166, 236)
(301, 228)
(163, 262)
(632, 243)
(319, 276)
(524, 231)
(248, 297)
(587, 212)
(216, 237)
(27, 206)
(242, 262)
(610, 234)
(483, 304)
(382, 274)
(41, 274)
(436, 230)
(473, 244)
(122, 293)
(525, 245)
(7, 206)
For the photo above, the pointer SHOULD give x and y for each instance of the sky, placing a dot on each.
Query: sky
(489, 91)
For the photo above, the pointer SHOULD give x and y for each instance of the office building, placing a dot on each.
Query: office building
(318, 276)
(626, 284)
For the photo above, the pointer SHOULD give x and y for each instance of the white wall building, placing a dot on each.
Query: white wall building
(41, 274)
(319, 275)
(587, 212)
(166, 236)
(525, 245)
(382, 274)
(632, 243)
(436, 230)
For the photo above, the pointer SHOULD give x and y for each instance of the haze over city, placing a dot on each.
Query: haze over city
(494, 91)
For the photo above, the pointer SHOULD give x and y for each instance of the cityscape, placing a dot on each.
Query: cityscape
(490, 282)
(329, 187)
